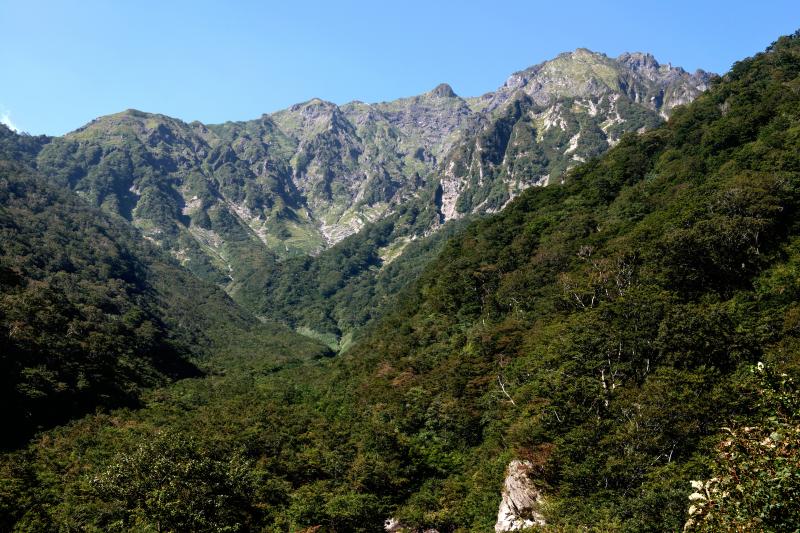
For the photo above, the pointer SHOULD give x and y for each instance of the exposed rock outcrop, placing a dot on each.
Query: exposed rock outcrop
(393, 525)
(521, 500)
(443, 90)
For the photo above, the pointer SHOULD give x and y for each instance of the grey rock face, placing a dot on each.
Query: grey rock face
(443, 90)
(553, 116)
(660, 87)
(520, 500)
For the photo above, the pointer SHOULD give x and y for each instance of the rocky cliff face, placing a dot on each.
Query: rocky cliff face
(552, 116)
(520, 500)
(587, 74)
(224, 197)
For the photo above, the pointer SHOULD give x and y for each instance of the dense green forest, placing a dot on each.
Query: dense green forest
(332, 296)
(621, 313)
(632, 332)
(91, 313)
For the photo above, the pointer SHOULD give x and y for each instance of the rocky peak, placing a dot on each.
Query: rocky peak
(310, 118)
(443, 90)
(315, 105)
(430, 120)
(583, 55)
(638, 61)
(515, 81)
(584, 73)
(586, 54)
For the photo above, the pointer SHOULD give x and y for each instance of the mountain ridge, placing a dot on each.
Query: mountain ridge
(367, 153)
(234, 199)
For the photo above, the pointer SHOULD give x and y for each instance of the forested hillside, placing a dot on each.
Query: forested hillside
(335, 294)
(91, 314)
(606, 329)
(631, 333)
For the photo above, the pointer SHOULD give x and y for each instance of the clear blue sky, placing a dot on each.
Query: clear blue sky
(63, 63)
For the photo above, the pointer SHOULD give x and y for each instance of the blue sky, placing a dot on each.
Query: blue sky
(65, 63)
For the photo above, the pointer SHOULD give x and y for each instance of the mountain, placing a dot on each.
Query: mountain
(331, 195)
(90, 313)
(541, 122)
(610, 335)
(614, 352)
(549, 117)
(222, 198)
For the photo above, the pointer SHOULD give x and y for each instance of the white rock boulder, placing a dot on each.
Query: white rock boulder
(521, 500)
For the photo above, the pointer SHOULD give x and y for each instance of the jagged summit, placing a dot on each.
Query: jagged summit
(584, 53)
(443, 90)
(639, 59)
(312, 102)
(584, 73)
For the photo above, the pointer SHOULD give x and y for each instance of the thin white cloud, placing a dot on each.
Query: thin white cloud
(5, 119)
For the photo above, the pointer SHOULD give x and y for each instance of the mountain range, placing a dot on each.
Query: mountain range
(231, 201)
(303, 178)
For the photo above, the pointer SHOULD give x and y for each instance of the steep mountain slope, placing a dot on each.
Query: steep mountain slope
(89, 312)
(540, 123)
(549, 117)
(227, 199)
(333, 295)
(602, 330)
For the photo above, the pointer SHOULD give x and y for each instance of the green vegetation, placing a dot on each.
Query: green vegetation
(756, 483)
(349, 285)
(90, 312)
(76, 329)
(231, 201)
(619, 313)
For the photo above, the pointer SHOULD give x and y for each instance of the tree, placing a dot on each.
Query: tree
(756, 483)
(171, 484)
